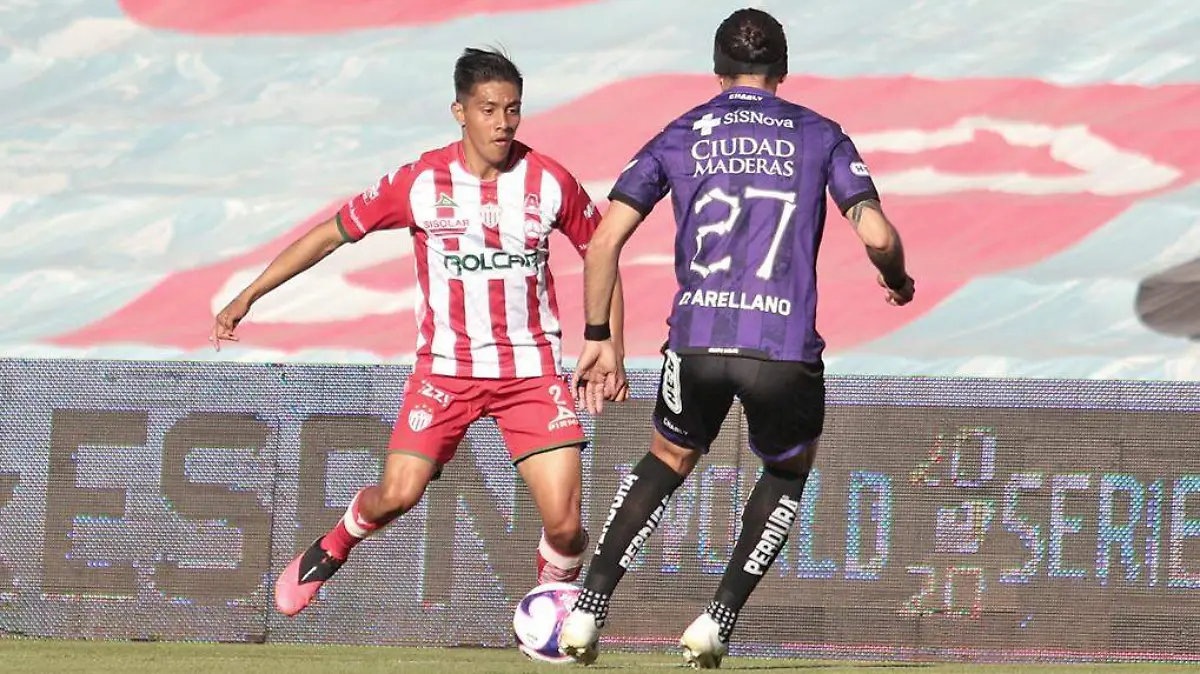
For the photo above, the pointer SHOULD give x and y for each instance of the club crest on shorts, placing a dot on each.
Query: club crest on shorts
(419, 418)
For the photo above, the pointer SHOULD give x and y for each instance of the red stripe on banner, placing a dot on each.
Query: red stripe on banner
(954, 232)
(237, 17)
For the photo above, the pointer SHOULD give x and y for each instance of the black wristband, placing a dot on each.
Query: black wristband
(597, 333)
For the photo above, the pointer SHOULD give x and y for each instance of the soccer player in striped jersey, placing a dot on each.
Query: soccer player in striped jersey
(480, 211)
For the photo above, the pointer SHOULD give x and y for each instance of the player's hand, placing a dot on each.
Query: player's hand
(595, 377)
(227, 321)
(621, 384)
(899, 297)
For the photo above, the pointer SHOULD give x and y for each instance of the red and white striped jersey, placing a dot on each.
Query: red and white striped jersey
(481, 250)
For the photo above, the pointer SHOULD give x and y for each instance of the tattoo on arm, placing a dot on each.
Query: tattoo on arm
(889, 261)
(856, 211)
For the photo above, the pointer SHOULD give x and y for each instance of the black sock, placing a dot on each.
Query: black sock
(638, 506)
(766, 521)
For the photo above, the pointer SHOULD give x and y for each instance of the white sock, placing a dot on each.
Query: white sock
(556, 558)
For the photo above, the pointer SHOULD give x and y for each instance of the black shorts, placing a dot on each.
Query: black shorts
(784, 402)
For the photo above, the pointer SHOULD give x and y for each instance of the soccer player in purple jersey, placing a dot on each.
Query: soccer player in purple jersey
(748, 172)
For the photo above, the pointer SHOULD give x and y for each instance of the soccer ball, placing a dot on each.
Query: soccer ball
(539, 617)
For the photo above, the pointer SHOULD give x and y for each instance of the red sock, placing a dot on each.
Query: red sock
(348, 532)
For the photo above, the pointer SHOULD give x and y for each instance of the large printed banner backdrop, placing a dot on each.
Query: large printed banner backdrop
(967, 518)
(1038, 157)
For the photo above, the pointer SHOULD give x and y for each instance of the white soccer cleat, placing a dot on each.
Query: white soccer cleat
(702, 645)
(579, 636)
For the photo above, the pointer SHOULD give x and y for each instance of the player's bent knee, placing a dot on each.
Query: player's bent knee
(397, 499)
(565, 535)
(801, 464)
(563, 525)
(680, 459)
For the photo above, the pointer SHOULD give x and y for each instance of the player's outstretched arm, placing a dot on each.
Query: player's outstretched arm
(599, 367)
(301, 254)
(617, 321)
(600, 267)
(884, 248)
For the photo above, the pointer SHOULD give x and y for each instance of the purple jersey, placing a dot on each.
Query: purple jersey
(747, 172)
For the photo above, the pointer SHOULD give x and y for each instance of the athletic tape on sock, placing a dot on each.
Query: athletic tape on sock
(353, 521)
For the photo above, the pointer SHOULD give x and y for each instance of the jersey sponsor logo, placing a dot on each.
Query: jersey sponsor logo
(565, 417)
(744, 155)
(757, 117)
(536, 224)
(444, 201)
(464, 263)
(859, 169)
(445, 226)
(714, 299)
(491, 214)
(536, 229)
(533, 205)
(419, 418)
(708, 122)
(743, 96)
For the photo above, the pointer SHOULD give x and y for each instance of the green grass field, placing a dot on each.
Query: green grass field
(47, 656)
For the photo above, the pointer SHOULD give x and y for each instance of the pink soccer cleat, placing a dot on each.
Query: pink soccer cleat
(300, 581)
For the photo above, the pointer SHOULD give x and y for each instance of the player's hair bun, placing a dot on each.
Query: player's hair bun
(752, 36)
(755, 40)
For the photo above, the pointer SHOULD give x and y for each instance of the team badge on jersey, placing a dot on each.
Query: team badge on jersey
(491, 215)
(419, 418)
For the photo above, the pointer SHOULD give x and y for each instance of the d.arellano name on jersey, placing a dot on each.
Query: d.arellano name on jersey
(742, 154)
(734, 300)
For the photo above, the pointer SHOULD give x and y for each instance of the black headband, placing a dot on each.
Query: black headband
(723, 64)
